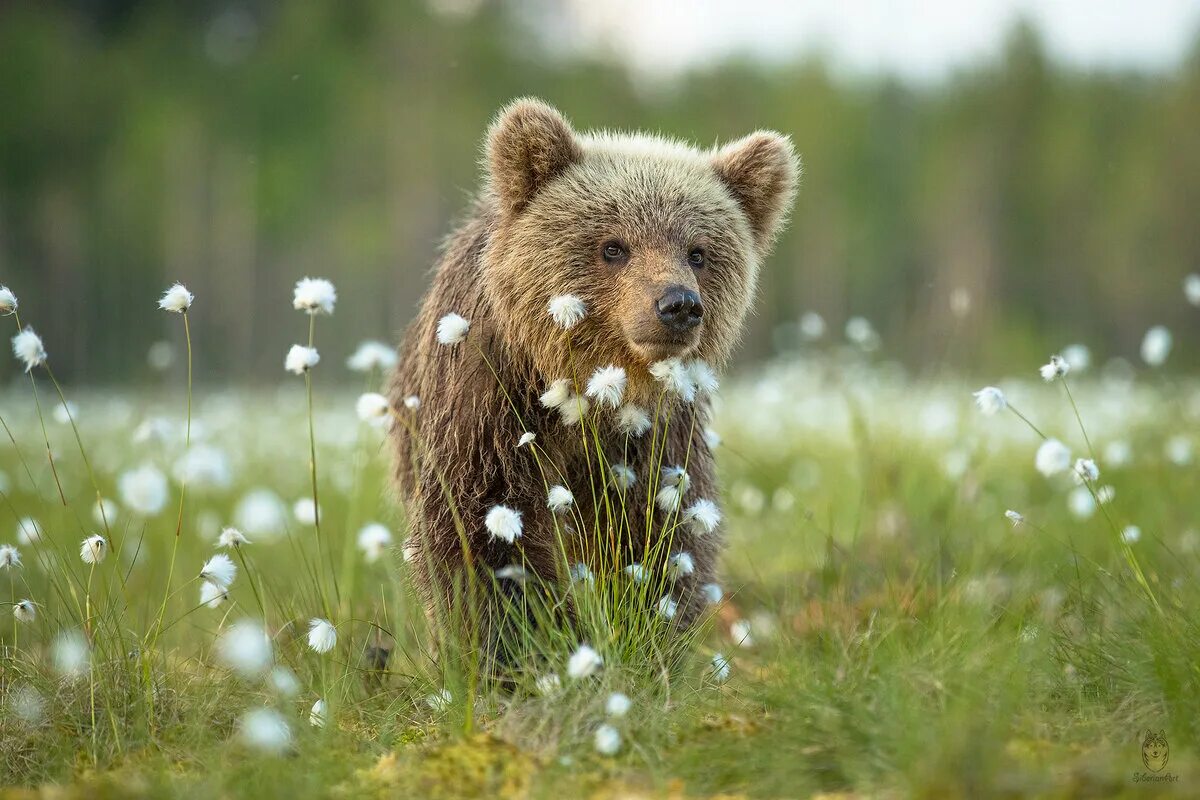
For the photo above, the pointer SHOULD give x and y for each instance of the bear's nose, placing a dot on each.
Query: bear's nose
(679, 308)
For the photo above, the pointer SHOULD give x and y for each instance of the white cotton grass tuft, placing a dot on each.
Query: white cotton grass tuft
(617, 705)
(559, 498)
(318, 713)
(374, 539)
(1191, 289)
(439, 700)
(265, 730)
(212, 595)
(584, 662)
(676, 476)
(245, 648)
(231, 537)
(1057, 367)
(675, 377)
(513, 572)
(24, 611)
(1106, 494)
(1156, 346)
(104, 512)
(1131, 534)
(712, 438)
(623, 477)
(64, 413)
(1077, 356)
(374, 409)
(1086, 471)
(607, 740)
(322, 636)
(574, 410)
(1080, 503)
(526, 438)
(143, 490)
(29, 531)
(284, 681)
(667, 607)
(93, 549)
(452, 329)
(703, 515)
(566, 310)
(703, 377)
(220, 570)
(582, 573)
(739, 632)
(548, 684)
(557, 394)
(1015, 517)
(712, 593)
(314, 296)
(990, 400)
(669, 499)
(70, 654)
(720, 668)
(681, 565)
(10, 557)
(177, 299)
(607, 386)
(637, 573)
(372, 355)
(812, 326)
(305, 511)
(8, 301)
(633, 420)
(861, 333)
(1052, 457)
(412, 402)
(27, 346)
(503, 523)
(301, 359)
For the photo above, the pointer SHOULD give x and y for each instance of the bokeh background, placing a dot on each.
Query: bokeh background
(984, 187)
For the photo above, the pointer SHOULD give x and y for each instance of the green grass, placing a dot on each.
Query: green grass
(908, 641)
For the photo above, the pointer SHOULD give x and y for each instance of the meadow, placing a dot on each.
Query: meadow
(920, 597)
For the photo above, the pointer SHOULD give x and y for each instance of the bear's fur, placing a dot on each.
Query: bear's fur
(552, 201)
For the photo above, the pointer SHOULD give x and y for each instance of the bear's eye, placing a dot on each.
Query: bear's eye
(696, 258)
(613, 251)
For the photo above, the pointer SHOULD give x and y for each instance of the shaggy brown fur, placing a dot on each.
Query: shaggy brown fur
(553, 200)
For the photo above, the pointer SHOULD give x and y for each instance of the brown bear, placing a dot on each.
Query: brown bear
(599, 280)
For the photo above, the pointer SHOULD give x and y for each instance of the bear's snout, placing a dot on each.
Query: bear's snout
(679, 309)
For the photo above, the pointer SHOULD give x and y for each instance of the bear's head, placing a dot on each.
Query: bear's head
(661, 241)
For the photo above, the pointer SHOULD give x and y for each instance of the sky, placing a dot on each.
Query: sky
(922, 40)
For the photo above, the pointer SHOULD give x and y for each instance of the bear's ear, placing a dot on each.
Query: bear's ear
(527, 146)
(762, 171)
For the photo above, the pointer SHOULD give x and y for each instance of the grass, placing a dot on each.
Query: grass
(906, 639)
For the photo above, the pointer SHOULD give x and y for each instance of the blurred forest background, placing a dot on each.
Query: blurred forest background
(238, 147)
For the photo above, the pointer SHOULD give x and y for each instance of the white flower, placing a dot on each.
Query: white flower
(8, 301)
(177, 299)
(574, 409)
(284, 682)
(990, 400)
(607, 385)
(261, 513)
(301, 359)
(548, 684)
(305, 511)
(623, 476)
(1086, 471)
(712, 438)
(676, 476)
(720, 668)
(93, 549)
(1156, 346)
(682, 565)
(669, 498)
(29, 530)
(212, 595)
(203, 467)
(9, 556)
(1117, 453)
(1057, 368)
(265, 730)
(439, 700)
(24, 611)
(526, 438)
(1106, 494)
(316, 715)
(372, 355)
(503, 523)
(65, 412)
(582, 573)
(104, 512)
(314, 295)
(374, 409)
(607, 740)
(633, 420)
(231, 537)
(373, 540)
(244, 646)
(667, 607)
(702, 377)
(322, 636)
(812, 326)
(675, 377)
(712, 592)
(220, 570)
(557, 394)
(512, 572)
(1191, 290)
(1077, 356)
(559, 498)
(70, 653)
(1081, 503)
(566, 310)
(584, 662)
(412, 402)
(637, 573)
(143, 490)
(1052, 457)
(739, 631)
(703, 515)
(1015, 517)
(1178, 450)
(28, 347)
(860, 332)
(452, 329)
(618, 705)
(1131, 534)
